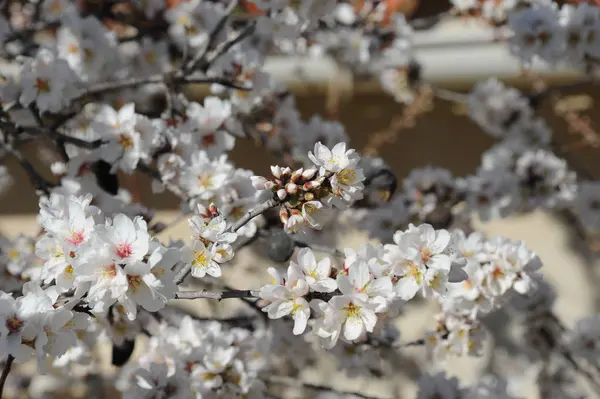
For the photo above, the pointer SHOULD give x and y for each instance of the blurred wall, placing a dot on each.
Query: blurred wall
(441, 137)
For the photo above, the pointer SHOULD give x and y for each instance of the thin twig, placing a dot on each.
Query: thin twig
(160, 227)
(218, 295)
(321, 248)
(225, 46)
(106, 87)
(141, 167)
(34, 177)
(289, 381)
(5, 372)
(212, 38)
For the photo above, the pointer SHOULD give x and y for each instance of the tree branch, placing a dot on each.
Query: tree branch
(225, 46)
(216, 295)
(5, 372)
(289, 381)
(34, 177)
(254, 213)
(200, 57)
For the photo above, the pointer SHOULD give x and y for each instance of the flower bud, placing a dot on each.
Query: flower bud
(258, 182)
(276, 171)
(281, 194)
(286, 171)
(297, 174)
(203, 211)
(213, 209)
(309, 196)
(284, 215)
(311, 185)
(291, 188)
(309, 173)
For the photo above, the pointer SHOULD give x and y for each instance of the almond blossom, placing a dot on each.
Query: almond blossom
(286, 296)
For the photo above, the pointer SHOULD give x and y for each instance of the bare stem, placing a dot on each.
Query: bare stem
(5, 372)
(106, 87)
(254, 213)
(218, 295)
(289, 381)
(34, 177)
(214, 34)
(225, 46)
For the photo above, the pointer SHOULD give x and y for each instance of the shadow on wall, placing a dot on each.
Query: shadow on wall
(441, 137)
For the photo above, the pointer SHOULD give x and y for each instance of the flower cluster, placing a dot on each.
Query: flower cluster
(375, 280)
(105, 84)
(34, 324)
(211, 243)
(114, 262)
(201, 359)
(307, 196)
(496, 270)
(545, 32)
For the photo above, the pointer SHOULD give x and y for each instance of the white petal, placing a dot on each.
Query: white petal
(325, 285)
(406, 288)
(300, 320)
(353, 327)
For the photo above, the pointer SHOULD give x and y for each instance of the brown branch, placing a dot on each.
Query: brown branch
(200, 57)
(5, 372)
(290, 381)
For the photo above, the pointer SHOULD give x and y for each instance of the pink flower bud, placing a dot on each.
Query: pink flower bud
(291, 188)
(258, 182)
(311, 185)
(213, 209)
(203, 211)
(297, 174)
(276, 171)
(309, 173)
(286, 172)
(281, 194)
(284, 215)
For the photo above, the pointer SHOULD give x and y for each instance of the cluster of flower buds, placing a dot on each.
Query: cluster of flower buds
(300, 192)
(307, 195)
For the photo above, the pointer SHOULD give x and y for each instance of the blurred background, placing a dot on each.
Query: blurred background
(454, 55)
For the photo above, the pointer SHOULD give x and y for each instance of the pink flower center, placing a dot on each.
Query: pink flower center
(124, 250)
(76, 238)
